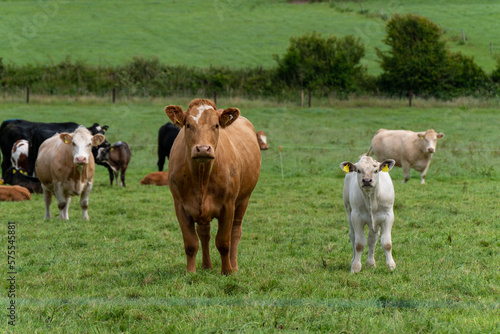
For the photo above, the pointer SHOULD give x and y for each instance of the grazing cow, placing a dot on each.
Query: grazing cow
(262, 139)
(14, 129)
(409, 149)
(14, 193)
(65, 167)
(158, 178)
(117, 157)
(213, 168)
(368, 200)
(166, 138)
(19, 155)
(17, 177)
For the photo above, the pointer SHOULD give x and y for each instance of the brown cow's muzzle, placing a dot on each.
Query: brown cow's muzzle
(203, 152)
(80, 160)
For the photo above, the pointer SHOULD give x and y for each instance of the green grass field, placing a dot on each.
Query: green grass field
(124, 270)
(222, 32)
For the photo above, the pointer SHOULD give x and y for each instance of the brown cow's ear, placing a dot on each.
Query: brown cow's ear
(176, 115)
(348, 167)
(440, 135)
(66, 137)
(386, 165)
(98, 140)
(228, 116)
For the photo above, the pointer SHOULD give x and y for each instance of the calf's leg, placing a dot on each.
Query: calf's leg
(385, 241)
(372, 242)
(84, 201)
(359, 243)
(47, 198)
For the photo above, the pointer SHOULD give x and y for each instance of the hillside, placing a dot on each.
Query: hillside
(233, 33)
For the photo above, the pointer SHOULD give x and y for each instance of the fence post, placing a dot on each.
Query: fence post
(310, 93)
(410, 96)
(114, 94)
(27, 95)
(215, 97)
(463, 35)
(302, 98)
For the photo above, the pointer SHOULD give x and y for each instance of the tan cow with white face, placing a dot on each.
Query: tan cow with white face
(65, 167)
(213, 168)
(409, 149)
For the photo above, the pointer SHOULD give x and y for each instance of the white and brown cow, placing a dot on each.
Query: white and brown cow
(213, 168)
(19, 156)
(368, 200)
(262, 139)
(409, 149)
(117, 157)
(65, 167)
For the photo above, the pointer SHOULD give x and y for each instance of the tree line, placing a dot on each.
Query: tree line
(417, 62)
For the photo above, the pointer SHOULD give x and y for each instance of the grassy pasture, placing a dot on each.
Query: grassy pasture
(227, 33)
(124, 270)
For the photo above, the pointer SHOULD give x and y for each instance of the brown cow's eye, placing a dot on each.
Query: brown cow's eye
(216, 126)
(188, 126)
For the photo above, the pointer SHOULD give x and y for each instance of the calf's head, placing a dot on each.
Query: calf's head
(81, 142)
(429, 140)
(262, 139)
(202, 122)
(367, 170)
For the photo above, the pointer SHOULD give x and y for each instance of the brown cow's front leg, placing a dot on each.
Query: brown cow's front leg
(223, 238)
(189, 236)
(203, 231)
(236, 233)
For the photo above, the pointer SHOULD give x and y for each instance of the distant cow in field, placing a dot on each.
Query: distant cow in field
(17, 177)
(262, 139)
(14, 193)
(409, 149)
(166, 138)
(19, 156)
(157, 178)
(368, 200)
(213, 168)
(65, 167)
(117, 156)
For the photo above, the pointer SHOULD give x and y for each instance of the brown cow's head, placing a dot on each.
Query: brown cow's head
(202, 122)
(367, 170)
(262, 139)
(81, 142)
(429, 140)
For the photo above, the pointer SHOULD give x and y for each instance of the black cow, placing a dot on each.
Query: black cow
(166, 137)
(117, 157)
(17, 177)
(15, 129)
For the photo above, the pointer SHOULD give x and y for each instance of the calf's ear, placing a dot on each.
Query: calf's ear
(98, 140)
(440, 135)
(386, 165)
(176, 115)
(348, 167)
(228, 116)
(66, 137)
(421, 135)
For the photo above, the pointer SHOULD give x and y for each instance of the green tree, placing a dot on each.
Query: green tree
(417, 56)
(313, 62)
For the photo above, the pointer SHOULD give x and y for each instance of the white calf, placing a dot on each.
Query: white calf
(368, 200)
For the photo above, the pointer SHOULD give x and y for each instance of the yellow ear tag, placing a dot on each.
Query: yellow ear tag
(385, 169)
(65, 141)
(13, 171)
(177, 121)
(111, 149)
(346, 168)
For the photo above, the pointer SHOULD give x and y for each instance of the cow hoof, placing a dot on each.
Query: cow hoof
(356, 268)
(391, 266)
(371, 264)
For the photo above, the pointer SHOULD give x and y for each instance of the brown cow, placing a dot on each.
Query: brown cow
(14, 193)
(409, 149)
(19, 156)
(213, 168)
(158, 178)
(262, 139)
(65, 167)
